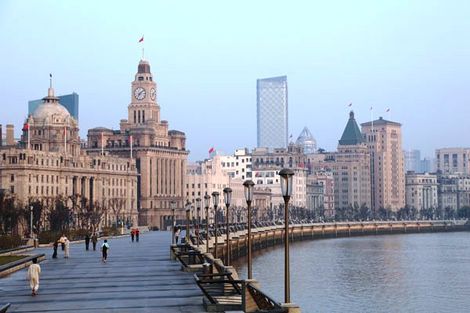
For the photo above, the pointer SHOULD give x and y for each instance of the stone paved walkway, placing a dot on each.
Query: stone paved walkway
(139, 277)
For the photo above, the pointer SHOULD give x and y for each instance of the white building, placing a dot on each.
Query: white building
(421, 191)
(237, 165)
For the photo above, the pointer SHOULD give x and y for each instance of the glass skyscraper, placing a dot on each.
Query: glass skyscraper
(272, 112)
(70, 102)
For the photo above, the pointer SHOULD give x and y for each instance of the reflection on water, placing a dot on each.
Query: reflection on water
(395, 273)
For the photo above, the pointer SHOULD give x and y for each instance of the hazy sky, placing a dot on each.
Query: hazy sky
(411, 56)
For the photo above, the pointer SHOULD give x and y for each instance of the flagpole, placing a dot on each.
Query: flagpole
(372, 119)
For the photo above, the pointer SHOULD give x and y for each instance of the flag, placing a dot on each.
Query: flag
(50, 75)
(211, 150)
(25, 127)
(350, 104)
(370, 109)
(141, 39)
(290, 137)
(388, 110)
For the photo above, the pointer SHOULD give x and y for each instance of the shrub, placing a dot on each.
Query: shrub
(10, 241)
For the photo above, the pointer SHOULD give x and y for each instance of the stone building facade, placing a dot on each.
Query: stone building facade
(48, 163)
(453, 161)
(383, 139)
(160, 154)
(421, 191)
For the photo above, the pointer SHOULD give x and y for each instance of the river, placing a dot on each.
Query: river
(390, 273)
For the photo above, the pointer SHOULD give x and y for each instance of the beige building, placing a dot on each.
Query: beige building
(383, 139)
(160, 154)
(48, 163)
(351, 168)
(321, 192)
(421, 191)
(453, 161)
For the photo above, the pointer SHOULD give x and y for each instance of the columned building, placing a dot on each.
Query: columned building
(160, 154)
(421, 191)
(383, 139)
(48, 164)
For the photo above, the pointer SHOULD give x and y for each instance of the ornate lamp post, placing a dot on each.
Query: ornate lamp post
(215, 201)
(31, 222)
(207, 203)
(173, 222)
(227, 200)
(188, 216)
(198, 221)
(287, 177)
(249, 186)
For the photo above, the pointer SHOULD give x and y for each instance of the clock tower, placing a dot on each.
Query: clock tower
(143, 108)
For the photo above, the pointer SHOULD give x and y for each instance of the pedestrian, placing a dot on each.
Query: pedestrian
(62, 241)
(67, 248)
(132, 234)
(137, 234)
(56, 245)
(94, 240)
(87, 241)
(34, 271)
(104, 250)
(177, 233)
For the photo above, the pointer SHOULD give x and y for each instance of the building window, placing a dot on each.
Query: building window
(12, 178)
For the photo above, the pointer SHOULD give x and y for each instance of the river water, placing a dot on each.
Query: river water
(390, 273)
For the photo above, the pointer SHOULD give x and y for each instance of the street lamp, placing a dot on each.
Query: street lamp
(31, 221)
(173, 223)
(215, 201)
(287, 177)
(207, 203)
(198, 211)
(227, 200)
(249, 186)
(188, 216)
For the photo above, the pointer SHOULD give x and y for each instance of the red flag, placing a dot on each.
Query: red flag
(25, 127)
(211, 150)
(141, 39)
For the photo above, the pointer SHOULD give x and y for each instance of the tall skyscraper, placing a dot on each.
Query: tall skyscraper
(70, 102)
(272, 117)
(387, 163)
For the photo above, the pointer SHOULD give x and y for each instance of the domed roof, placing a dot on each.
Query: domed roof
(51, 108)
(307, 140)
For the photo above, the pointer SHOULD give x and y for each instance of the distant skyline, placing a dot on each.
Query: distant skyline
(411, 57)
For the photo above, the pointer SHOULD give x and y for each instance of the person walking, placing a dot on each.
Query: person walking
(132, 234)
(62, 241)
(94, 240)
(137, 232)
(87, 241)
(177, 234)
(104, 250)
(56, 245)
(67, 248)
(34, 271)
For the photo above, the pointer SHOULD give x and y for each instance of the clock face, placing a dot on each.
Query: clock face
(139, 93)
(153, 93)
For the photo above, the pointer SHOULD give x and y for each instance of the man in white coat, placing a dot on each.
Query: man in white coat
(34, 271)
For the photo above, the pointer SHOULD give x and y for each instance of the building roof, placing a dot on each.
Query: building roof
(351, 135)
(380, 122)
(307, 141)
(50, 107)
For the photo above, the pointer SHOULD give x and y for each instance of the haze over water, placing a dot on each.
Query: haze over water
(392, 273)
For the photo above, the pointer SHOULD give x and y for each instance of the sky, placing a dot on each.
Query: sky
(409, 56)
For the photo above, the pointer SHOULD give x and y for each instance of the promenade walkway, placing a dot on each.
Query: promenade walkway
(138, 277)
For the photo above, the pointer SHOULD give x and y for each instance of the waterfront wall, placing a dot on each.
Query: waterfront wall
(263, 237)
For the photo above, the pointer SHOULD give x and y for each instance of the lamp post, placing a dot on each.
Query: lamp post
(173, 222)
(227, 200)
(287, 176)
(188, 213)
(249, 184)
(198, 211)
(215, 201)
(207, 203)
(31, 221)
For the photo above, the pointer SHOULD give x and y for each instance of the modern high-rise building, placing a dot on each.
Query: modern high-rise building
(70, 102)
(387, 163)
(272, 109)
(412, 160)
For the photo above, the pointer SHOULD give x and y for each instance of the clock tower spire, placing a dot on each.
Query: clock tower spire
(143, 108)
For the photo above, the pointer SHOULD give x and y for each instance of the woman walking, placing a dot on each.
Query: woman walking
(34, 271)
(104, 250)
